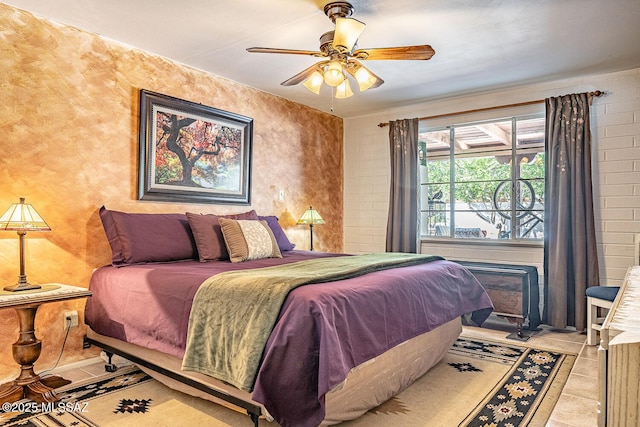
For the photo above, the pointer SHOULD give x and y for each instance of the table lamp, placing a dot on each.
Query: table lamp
(311, 217)
(22, 217)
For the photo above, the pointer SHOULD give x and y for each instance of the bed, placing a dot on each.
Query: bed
(338, 346)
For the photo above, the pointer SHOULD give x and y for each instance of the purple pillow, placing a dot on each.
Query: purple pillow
(283, 241)
(208, 234)
(137, 238)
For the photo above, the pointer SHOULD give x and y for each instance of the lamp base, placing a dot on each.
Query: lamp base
(21, 287)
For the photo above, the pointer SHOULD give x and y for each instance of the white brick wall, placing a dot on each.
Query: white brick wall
(615, 125)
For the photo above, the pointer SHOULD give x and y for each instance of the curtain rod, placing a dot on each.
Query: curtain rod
(477, 110)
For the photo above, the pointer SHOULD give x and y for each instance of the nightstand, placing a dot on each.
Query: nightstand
(27, 349)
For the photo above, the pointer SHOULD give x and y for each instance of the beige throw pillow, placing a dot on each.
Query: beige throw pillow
(249, 239)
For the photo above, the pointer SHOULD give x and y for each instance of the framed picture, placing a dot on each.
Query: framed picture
(193, 153)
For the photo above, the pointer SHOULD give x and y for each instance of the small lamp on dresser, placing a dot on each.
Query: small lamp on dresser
(22, 217)
(311, 217)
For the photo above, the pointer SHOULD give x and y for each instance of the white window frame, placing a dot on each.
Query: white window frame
(515, 114)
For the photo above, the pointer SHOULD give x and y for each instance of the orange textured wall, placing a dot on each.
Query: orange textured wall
(69, 114)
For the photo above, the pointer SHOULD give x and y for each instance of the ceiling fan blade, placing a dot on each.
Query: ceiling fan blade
(304, 74)
(365, 77)
(421, 52)
(286, 51)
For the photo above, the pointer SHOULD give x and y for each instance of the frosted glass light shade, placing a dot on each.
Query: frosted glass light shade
(334, 74)
(314, 82)
(344, 90)
(346, 33)
(364, 78)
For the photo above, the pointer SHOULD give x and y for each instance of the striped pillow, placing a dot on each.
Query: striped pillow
(249, 239)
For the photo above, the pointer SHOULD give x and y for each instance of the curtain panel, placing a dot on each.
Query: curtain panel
(570, 258)
(404, 199)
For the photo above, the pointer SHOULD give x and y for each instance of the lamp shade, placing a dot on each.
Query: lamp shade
(346, 34)
(365, 78)
(334, 74)
(22, 217)
(311, 216)
(314, 82)
(344, 90)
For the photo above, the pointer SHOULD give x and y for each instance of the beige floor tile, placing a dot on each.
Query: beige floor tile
(582, 386)
(90, 367)
(73, 375)
(76, 371)
(97, 369)
(577, 411)
(549, 340)
(489, 334)
(586, 367)
(496, 329)
(552, 423)
(551, 343)
(563, 335)
(590, 352)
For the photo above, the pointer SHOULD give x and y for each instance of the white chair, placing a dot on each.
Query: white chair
(598, 297)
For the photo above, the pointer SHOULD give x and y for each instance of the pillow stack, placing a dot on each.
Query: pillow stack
(140, 238)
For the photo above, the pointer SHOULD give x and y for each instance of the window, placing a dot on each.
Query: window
(483, 180)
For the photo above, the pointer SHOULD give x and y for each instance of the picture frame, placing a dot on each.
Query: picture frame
(193, 153)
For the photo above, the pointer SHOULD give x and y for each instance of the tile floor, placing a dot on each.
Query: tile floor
(577, 406)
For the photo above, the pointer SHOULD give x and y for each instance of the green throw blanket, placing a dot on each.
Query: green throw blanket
(234, 312)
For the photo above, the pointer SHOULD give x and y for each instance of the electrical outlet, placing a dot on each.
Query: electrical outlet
(70, 319)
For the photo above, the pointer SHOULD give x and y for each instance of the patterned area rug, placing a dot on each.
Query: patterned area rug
(478, 384)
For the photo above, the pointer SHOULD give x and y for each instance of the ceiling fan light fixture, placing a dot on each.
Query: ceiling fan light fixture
(344, 90)
(346, 33)
(334, 74)
(341, 56)
(314, 82)
(364, 78)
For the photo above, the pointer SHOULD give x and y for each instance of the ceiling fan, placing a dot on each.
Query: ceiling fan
(343, 57)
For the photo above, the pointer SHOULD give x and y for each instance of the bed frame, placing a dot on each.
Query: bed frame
(408, 360)
(140, 357)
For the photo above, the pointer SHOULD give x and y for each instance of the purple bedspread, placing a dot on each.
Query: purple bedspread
(324, 330)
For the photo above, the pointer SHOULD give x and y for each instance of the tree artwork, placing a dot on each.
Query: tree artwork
(197, 153)
(193, 153)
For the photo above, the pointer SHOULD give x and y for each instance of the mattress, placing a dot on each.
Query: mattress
(324, 331)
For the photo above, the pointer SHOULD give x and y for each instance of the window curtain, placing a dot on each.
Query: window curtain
(570, 259)
(403, 223)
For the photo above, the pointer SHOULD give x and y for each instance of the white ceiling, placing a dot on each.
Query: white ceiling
(479, 44)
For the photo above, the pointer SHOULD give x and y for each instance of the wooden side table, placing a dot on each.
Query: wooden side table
(27, 349)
